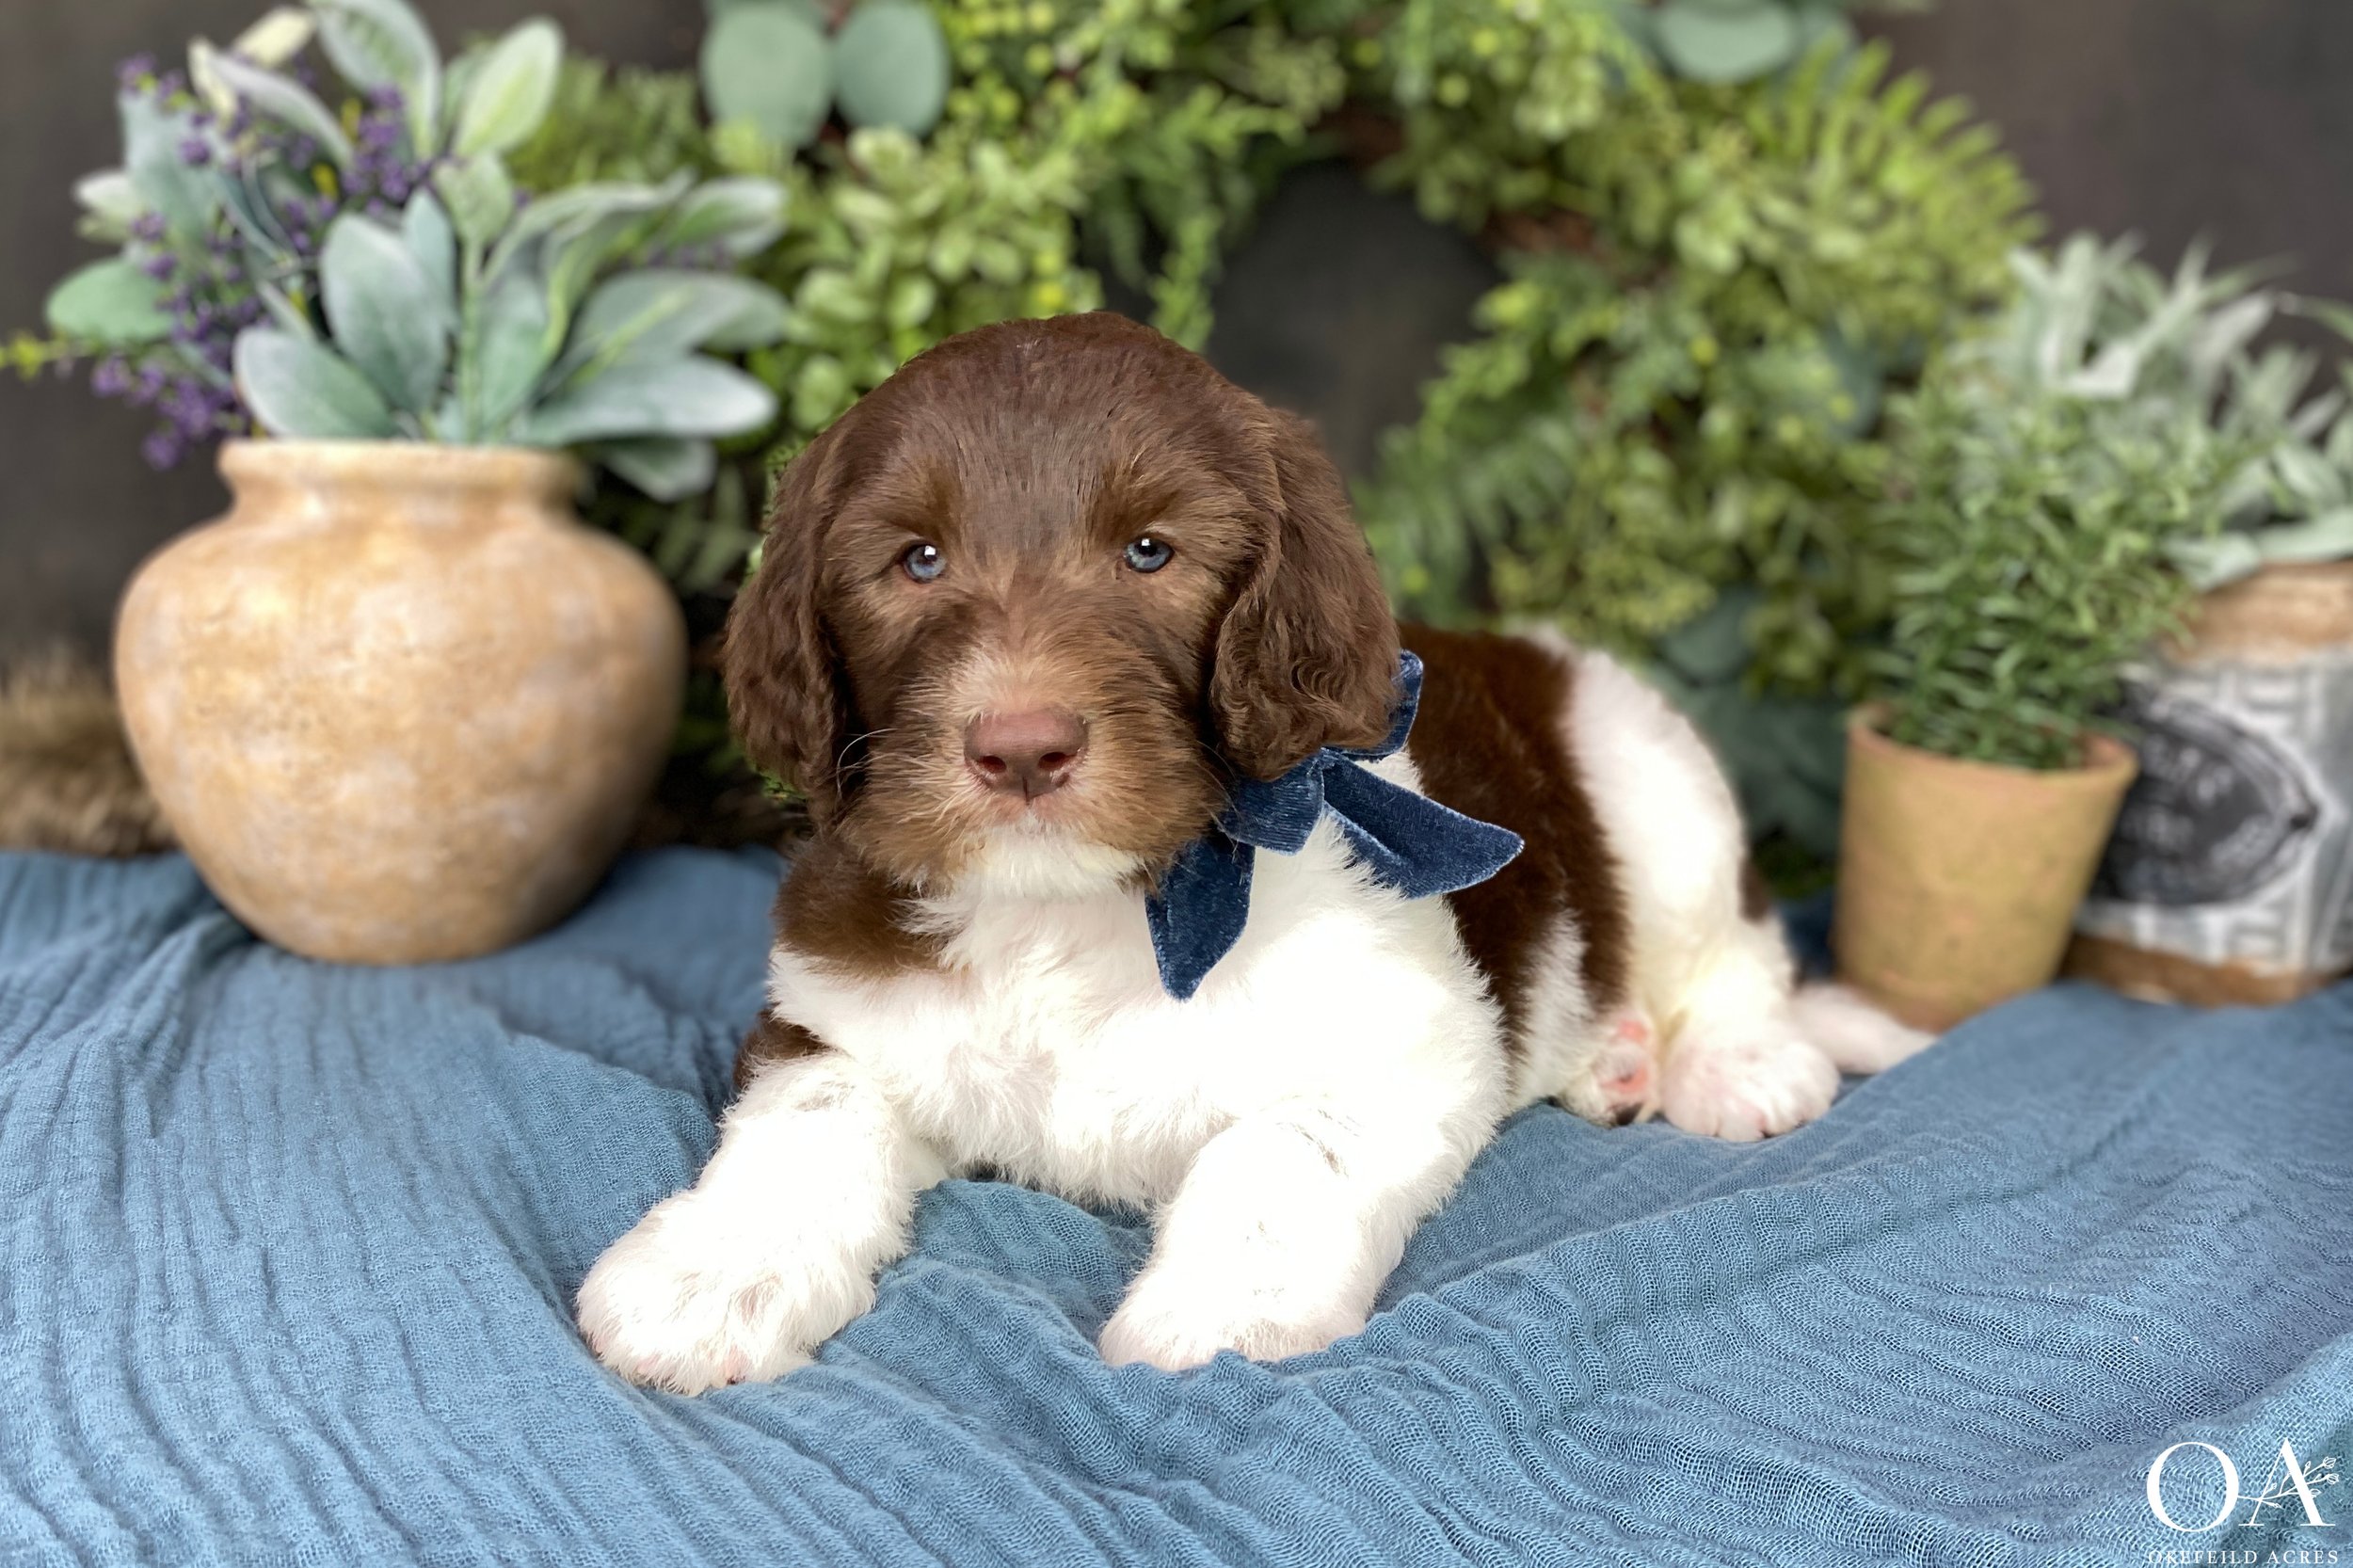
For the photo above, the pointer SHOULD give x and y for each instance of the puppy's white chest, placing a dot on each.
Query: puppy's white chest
(1043, 1047)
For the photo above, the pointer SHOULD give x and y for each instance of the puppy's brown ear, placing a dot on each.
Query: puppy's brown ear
(1307, 655)
(786, 693)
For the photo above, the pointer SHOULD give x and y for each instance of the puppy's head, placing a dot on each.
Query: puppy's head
(1026, 609)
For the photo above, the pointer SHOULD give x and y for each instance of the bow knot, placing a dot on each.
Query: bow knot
(1408, 841)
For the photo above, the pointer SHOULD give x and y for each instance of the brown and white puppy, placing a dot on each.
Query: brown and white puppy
(1025, 611)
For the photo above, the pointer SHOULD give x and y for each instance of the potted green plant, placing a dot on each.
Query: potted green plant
(398, 704)
(2036, 497)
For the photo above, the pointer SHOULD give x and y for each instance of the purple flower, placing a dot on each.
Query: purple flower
(162, 449)
(111, 378)
(159, 266)
(387, 98)
(171, 83)
(195, 152)
(148, 227)
(133, 72)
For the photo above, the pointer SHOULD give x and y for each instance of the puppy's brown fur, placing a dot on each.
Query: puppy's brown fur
(1031, 454)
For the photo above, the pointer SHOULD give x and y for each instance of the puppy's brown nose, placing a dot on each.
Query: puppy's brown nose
(1026, 754)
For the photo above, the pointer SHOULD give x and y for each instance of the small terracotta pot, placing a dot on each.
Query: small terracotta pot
(399, 705)
(1958, 882)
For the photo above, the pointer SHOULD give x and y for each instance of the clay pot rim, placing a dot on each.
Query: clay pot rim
(2107, 759)
(409, 465)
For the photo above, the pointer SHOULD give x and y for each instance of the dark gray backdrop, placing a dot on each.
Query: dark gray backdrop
(2232, 118)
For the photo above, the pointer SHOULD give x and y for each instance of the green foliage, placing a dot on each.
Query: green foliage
(361, 265)
(770, 67)
(1723, 256)
(1683, 394)
(1135, 133)
(466, 318)
(619, 123)
(891, 67)
(111, 301)
(2045, 472)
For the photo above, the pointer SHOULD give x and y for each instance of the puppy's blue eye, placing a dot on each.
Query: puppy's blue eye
(923, 562)
(1148, 554)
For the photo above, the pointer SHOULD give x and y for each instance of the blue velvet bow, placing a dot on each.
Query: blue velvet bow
(1407, 841)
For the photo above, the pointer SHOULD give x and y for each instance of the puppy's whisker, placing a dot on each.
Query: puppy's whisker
(841, 759)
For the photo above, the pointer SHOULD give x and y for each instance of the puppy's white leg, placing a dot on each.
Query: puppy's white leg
(1717, 983)
(774, 1248)
(1280, 1237)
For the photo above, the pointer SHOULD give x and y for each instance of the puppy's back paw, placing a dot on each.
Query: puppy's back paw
(1746, 1088)
(1616, 1082)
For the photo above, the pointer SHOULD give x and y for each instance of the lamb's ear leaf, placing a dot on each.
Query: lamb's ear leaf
(667, 468)
(185, 198)
(695, 397)
(383, 43)
(305, 390)
(479, 196)
(560, 218)
(384, 312)
(110, 203)
(291, 318)
(425, 228)
(507, 95)
(276, 38)
(515, 350)
(205, 82)
(742, 215)
(109, 302)
(663, 313)
(283, 98)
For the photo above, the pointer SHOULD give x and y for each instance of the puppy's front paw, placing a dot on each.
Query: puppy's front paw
(688, 1301)
(1746, 1089)
(1172, 1322)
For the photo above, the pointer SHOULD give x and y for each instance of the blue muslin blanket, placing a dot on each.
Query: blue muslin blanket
(286, 1251)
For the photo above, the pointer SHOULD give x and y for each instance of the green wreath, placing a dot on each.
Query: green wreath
(1726, 232)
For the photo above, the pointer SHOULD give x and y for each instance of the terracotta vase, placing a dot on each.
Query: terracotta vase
(399, 705)
(1958, 882)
